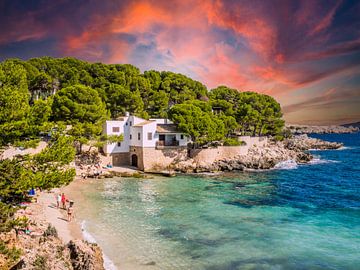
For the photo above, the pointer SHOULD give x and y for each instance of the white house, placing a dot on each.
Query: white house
(146, 144)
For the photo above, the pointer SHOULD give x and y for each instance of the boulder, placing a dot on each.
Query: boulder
(85, 256)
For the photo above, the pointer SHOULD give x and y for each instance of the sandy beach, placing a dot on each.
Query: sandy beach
(47, 211)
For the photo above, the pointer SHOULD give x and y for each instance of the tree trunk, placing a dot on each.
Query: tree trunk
(261, 128)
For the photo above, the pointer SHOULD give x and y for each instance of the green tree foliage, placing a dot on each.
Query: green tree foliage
(14, 100)
(14, 179)
(121, 99)
(201, 126)
(78, 103)
(255, 114)
(44, 170)
(80, 93)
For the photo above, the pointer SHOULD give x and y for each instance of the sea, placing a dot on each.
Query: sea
(290, 217)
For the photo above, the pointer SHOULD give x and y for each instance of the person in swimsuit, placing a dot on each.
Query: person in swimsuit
(70, 211)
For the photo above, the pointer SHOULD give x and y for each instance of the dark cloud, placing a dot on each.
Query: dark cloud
(269, 46)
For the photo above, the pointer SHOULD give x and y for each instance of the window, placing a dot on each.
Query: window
(182, 136)
(116, 129)
(130, 137)
(139, 136)
(149, 136)
(130, 123)
(119, 144)
(126, 123)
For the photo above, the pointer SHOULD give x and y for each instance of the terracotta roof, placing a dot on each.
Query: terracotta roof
(144, 123)
(167, 128)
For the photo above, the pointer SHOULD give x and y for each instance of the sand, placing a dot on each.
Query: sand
(45, 210)
(12, 151)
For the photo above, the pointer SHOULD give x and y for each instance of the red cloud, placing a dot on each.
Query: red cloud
(267, 46)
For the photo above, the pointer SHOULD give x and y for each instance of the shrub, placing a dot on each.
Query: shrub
(279, 138)
(33, 143)
(50, 231)
(40, 263)
(232, 142)
(11, 254)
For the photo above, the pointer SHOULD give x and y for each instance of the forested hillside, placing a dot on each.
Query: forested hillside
(41, 93)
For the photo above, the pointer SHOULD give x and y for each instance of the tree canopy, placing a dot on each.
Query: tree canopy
(46, 90)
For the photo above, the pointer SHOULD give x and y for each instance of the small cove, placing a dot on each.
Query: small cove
(305, 217)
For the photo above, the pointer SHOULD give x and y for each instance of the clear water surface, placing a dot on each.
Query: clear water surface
(305, 217)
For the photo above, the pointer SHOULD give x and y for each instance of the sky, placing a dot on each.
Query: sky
(306, 54)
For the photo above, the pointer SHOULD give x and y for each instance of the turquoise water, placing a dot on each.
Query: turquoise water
(306, 217)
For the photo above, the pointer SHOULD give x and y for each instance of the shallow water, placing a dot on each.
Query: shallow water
(294, 217)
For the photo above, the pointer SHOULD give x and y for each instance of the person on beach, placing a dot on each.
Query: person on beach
(63, 201)
(70, 211)
(58, 200)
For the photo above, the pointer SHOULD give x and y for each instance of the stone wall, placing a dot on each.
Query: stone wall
(210, 155)
(251, 141)
(151, 159)
(119, 159)
(138, 151)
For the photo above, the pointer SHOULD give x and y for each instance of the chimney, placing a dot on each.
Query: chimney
(127, 114)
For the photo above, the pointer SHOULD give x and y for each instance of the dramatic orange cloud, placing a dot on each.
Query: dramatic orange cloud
(292, 50)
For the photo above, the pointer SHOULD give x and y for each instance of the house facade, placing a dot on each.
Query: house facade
(148, 144)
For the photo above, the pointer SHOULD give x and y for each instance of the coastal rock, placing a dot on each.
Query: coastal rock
(262, 157)
(41, 250)
(303, 157)
(306, 129)
(303, 143)
(85, 256)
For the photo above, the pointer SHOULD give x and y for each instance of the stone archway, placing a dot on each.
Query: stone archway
(134, 160)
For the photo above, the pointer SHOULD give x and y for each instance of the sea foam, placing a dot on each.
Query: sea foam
(315, 161)
(286, 165)
(108, 264)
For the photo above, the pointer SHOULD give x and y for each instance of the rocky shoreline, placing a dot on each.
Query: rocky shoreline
(306, 129)
(47, 251)
(263, 158)
(43, 245)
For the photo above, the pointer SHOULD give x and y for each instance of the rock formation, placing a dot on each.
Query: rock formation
(44, 250)
(85, 256)
(265, 157)
(303, 143)
(305, 129)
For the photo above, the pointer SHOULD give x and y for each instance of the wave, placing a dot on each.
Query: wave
(315, 161)
(108, 264)
(346, 148)
(286, 165)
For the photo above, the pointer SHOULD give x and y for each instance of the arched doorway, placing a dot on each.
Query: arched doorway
(134, 160)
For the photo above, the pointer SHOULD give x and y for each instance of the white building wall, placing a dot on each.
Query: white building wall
(134, 131)
(162, 121)
(123, 129)
(127, 128)
(149, 128)
(144, 130)
(184, 141)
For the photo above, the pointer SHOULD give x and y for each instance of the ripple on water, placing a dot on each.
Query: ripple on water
(307, 217)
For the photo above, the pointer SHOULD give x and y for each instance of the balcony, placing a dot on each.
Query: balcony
(167, 144)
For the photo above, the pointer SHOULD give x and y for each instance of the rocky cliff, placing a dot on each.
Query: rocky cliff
(264, 157)
(42, 249)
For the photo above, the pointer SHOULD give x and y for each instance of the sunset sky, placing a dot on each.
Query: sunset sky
(304, 53)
